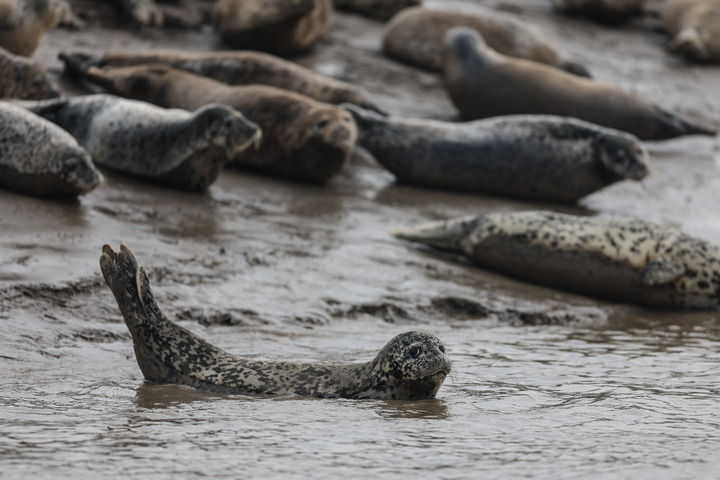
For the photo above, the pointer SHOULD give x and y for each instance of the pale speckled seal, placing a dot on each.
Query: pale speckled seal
(24, 22)
(483, 83)
(302, 139)
(279, 26)
(532, 157)
(695, 28)
(176, 148)
(411, 366)
(616, 258)
(24, 78)
(380, 9)
(416, 36)
(604, 11)
(233, 68)
(39, 158)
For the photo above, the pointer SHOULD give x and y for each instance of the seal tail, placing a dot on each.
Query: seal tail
(671, 125)
(445, 235)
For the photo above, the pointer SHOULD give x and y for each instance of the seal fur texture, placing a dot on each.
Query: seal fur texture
(302, 139)
(279, 26)
(39, 158)
(483, 83)
(694, 26)
(532, 157)
(616, 258)
(176, 148)
(412, 366)
(24, 22)
(380, 9)
(604, 11)
(24, 78)
(416, 36)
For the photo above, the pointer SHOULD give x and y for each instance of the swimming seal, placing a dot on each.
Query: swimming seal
(380, 9)
(233, 68)
(176, 148)
(603, 11)
(39, 158)
(412, 366)
(695, 28)
(531, 157)
(279, 26)
(24, 78)
(24, 22)
(616, 258)
(302, 140)
(483, 83)
(416, 35)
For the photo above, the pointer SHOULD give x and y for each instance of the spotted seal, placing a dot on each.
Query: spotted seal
(24, 22)
(604, 11)
(532, 157)
(303, 139)
(279, 26)
(380, 9)
(22, 77)
(39, 158)
(484, 83)
(695, 28)
(415, 36)
(616, 258)
(233, 68)
(412, 366)
(176, 148)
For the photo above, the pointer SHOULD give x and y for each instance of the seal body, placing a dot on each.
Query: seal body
(172, 147)
(532, 157)
(411, 366)
(380, 9)
(24, 22)
(233, 68)
(695, 28)
(416, 36)
(604, 11)
(279, 26)
(24, 78)
(621, 259)
(39, 158)
(483, 83)
(302, 139)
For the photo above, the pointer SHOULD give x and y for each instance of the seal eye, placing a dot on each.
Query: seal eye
(414, 351)
(322, 123)
(442, 348)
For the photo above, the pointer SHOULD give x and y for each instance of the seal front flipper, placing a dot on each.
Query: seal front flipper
(662, 272)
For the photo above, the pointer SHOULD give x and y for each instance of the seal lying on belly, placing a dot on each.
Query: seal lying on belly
(233, 68)
(412, 366)
(604, 11)
(622, 259)
(695, 28)
(483, 83)
(380, 9)
(176, 148)
(302, 139)
(279, 26)
(24, 78)
(39, 158)
(24, 22)
(532, 157)
(416, 36)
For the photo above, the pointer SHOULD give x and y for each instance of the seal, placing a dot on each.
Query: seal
(603, 11)
(39, 158)
(279, 26)
(615, 258)
(484, 83)
(303, 139)
(24, 22)
(412, 366)
(380, 9)
(415, 36)
(24, 78)
(176, 148)
(695, 28)
(531, 157)
(233, 68)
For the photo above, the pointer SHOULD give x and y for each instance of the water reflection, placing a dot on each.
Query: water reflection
(426, 409)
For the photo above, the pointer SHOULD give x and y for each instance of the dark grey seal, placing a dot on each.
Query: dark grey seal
(616, 258)
(533, 157)
(603, 11)
(411, 366)
(380, 9)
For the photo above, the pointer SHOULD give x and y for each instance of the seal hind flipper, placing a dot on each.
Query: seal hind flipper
(670, 124)
(77, 63)
(445, 235)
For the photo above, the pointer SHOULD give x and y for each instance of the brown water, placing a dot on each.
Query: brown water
(545, 384)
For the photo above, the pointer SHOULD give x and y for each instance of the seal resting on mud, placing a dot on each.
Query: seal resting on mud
(176, 148)
(380, 9)
(41, 159)
(616, 258)
(24, 78)
(412, 366)
(604, 11)
(24, 22)
(279, 26)
(416, 36)
(695, 28)
(483, 83)
(231, 67)
(533, 157)
(302, 139)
